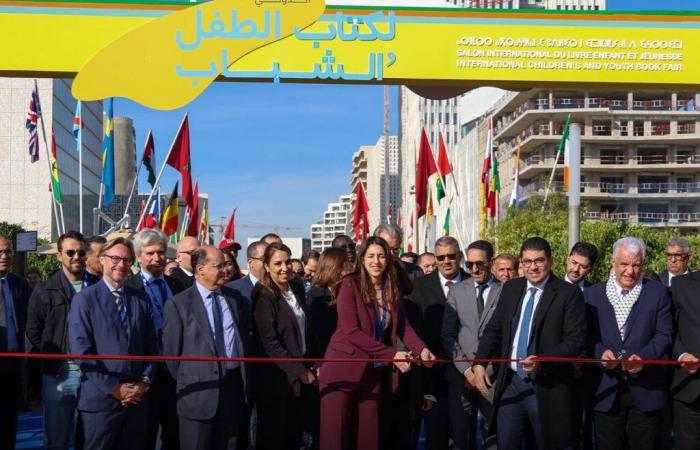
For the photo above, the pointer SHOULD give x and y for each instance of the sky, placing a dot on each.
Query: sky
(280, 153)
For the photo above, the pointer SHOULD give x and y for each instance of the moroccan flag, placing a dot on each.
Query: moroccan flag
(180, 159)
(193, 225)
(55, 182)
(360, 217)
(230, 231)
(425, 167)
(446, 225)
(170, 215)
(444, 168)
(564, 147)
(203, 226)
(149, 159)
(108, 153)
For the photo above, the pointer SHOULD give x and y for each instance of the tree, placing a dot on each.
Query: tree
(553, 225)
(46, 264)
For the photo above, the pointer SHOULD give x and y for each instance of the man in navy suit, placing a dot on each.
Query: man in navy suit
(243, 287)
(113, 319)
(580, 264)
(629, 319)
(14, 296)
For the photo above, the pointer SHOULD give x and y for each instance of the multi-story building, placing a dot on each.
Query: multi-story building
(383, 187)
(337, 219)
(640, 151)
(25, 198)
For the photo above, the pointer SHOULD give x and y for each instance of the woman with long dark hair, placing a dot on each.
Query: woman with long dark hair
(371, 319)
(280, 313)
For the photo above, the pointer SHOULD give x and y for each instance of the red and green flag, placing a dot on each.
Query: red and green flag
(149, 159)
(444, 168)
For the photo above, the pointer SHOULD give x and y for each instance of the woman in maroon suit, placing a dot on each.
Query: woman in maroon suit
(370, 319)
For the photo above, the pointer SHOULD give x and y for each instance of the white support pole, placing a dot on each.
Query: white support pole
(574, 183)
(80, 168)
(133, 185)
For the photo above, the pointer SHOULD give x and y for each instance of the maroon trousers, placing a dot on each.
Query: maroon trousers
(350, 413)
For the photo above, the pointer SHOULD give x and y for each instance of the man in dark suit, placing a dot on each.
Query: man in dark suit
(470, 306)
(430, 295)
(538, 315)
(685, 388)
(205, 320)
(346, 243)
(150, 246)
(47, 331)
(184, 273)
(14, 293)
(678, 258)
(580, 264)
(113, 319)
(243, 287)
(629, 319)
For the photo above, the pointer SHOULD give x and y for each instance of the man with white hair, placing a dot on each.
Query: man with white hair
(629, 319)
(678, 258)
(150, 246)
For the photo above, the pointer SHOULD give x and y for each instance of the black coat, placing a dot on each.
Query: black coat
(185, 280)
(47, 318)
(686, 314)
(277, 335)
(322, 321)
(559, 329)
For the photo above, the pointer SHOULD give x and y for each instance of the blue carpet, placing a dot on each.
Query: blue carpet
(29, 433)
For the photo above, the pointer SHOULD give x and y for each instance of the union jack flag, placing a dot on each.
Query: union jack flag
(31, 124)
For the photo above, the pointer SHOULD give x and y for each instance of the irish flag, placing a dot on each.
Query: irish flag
(564, 147)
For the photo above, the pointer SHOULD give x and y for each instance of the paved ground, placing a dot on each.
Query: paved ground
(29, 434)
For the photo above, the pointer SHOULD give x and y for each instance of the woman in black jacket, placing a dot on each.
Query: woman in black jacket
(281, 319)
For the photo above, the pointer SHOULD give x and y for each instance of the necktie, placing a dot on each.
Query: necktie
(480, 298)
(624, 292)
(523, 338)
(449, 285)
(218, 325)
(121, 307)
(12, 342)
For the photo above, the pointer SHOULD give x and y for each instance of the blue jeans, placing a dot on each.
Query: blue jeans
(60, 395)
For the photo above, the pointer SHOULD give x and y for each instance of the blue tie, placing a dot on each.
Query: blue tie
(523, 338)
(218, 325)
(12, 342)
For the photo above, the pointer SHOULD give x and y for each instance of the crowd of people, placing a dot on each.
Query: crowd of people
(353, 342)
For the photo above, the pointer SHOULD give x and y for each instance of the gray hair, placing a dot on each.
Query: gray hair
(390, 229)
(252, 250)
(447, 241)
(148, 237)
(679, 242)
(633, 244)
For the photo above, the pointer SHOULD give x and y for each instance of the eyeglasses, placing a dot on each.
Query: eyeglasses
(539, 262)
(672, 256)
(117, 259)
(71, 253)
(480, 265)
(220, 267)
(578, 265)
(348, 247)
(450, 256)
(7, 253)
(186, 252)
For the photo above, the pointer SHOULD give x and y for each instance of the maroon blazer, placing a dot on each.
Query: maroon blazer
(354, 338)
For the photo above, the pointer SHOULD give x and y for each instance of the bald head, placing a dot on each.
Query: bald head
(185, 247)
(208, 264)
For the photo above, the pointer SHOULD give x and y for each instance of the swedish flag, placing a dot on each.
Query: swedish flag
(108, 152)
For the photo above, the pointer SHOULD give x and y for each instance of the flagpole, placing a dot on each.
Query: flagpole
(162, 169)
(556, 160)
(80, 165)
(48, 162)
(133, 185)
(185, 223)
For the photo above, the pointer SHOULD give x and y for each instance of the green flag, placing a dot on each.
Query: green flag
(440, 189)
(446, 225)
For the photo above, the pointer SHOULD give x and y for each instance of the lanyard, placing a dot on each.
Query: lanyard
(379, 322)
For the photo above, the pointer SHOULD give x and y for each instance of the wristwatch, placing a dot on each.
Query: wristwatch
(147, 382)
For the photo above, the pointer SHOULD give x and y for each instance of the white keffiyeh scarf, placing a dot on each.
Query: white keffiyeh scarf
(622, 304)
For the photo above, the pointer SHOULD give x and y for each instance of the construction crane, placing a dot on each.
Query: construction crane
(256, 226)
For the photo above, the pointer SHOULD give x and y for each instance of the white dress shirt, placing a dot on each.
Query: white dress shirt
(579, 284)
(227, 322)
(489, 283)
(298, 315)
(443, 282)
(516, 337)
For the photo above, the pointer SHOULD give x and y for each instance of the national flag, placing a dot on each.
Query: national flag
(399, 221)
(431, 210)
(409, 236)
(55, 181)
(149, 159)
(169, 220)
(425, 167)
(108, 153)
(514, 200)
(179, 159)
(230, 231)
(193, 224)
(31, 124)
(203, 226)
(494, 189)
(490, 185)
(77, 122)
(142, 207)
(444, 168)
(564, 147)
(390, 215)
(152, 219)
(360, 217)
(446, 225)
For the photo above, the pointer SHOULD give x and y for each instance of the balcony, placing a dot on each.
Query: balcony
(611, 104)
(594, 189)
(681, 220)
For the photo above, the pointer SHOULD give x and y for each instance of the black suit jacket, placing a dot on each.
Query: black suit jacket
(185, 280)
(20, 299)
(558, 329)
(173, 283)
(277, 335)
(430, 299)
(686, 314)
